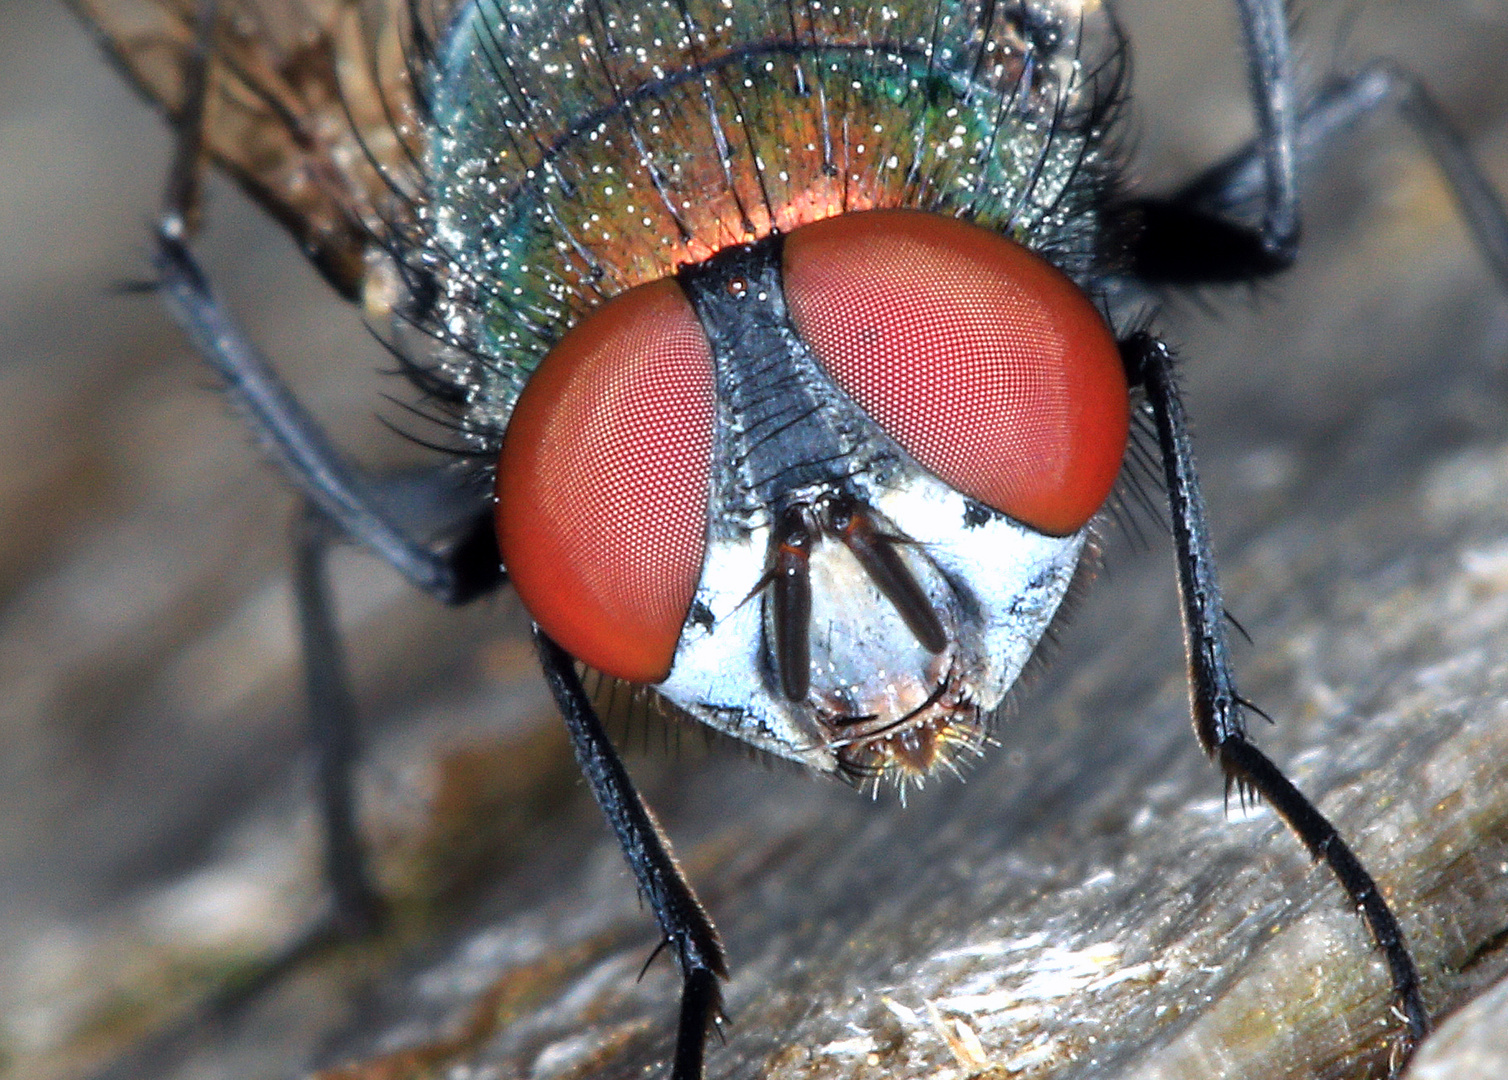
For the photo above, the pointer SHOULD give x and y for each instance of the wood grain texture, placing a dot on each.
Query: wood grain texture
(1082, 907)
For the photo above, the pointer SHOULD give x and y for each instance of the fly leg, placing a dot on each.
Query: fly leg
(1202, 234)
(298, 444)
(1217, 706)
(1183, 241)
(284, 428)
(1269, 67)
(434, 527)
(683, 923)
(332, 727)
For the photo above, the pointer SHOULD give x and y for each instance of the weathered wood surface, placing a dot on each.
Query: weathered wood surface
(1082, 906)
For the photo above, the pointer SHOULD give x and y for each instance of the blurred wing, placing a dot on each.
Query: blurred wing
(312, 107)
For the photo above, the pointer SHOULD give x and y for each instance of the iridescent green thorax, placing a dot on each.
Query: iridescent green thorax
(584, 148)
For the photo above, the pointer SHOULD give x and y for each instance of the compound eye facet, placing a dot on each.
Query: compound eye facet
(602, 484)
(985, 363)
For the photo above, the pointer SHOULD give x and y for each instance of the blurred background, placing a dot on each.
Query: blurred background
(155, 825)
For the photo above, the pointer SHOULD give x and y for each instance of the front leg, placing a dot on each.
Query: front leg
(1217, 706)
(684, 924)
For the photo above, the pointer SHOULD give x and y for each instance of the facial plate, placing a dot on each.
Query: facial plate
(995, 584)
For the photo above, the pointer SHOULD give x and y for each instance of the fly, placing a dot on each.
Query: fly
(800, 350)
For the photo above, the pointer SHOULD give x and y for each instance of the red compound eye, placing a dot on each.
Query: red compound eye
(602, 485)
(985, 363)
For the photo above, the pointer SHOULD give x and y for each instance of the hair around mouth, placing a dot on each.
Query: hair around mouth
(873, 747)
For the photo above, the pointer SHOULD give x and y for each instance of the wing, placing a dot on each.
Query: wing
(312, 106)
